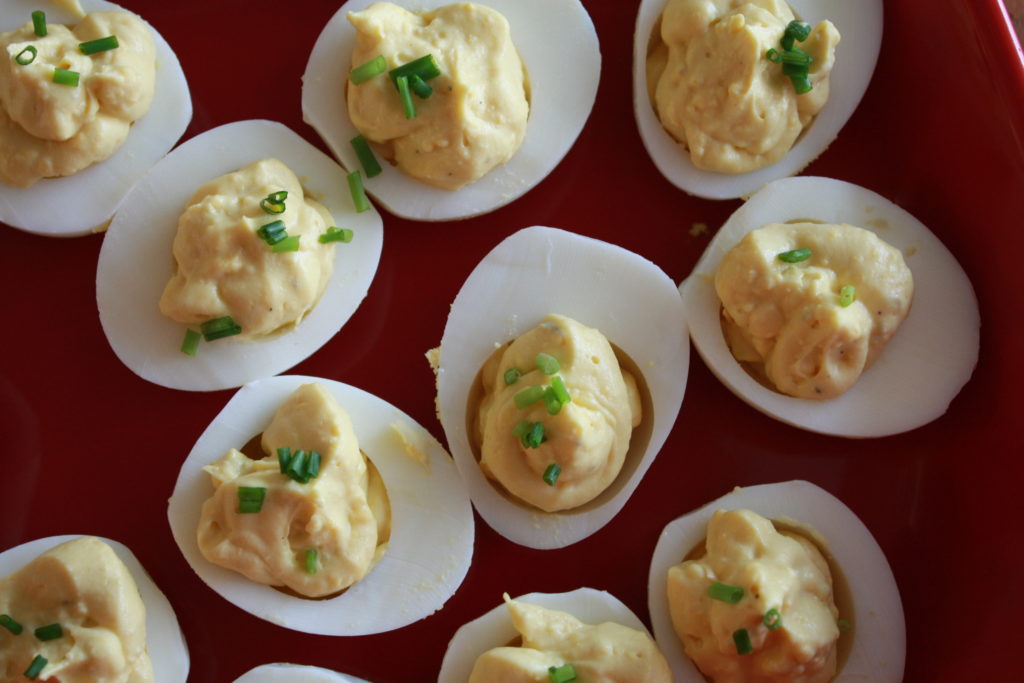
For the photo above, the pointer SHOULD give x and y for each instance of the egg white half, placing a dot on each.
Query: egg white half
(294, 673)
(860, 27)
(879, 647)
(495, 629)
(431, 542)
(135, 262)
(82, 203)
(921, 369)
(530, 274)
(164, 640)
(558, 45)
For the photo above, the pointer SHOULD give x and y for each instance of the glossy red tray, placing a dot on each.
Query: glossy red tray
(91, 448)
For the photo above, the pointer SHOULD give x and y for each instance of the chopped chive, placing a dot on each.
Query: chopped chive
(278, 196)
(551, 401)
(313, 465)
(800, 30)
(272, 232)
(297, 467)
(742, 640)
(725, 593)
(801, 84)
(560, 391)
(521, 428)
(190, 344)
(420, 87)
(366, 158)
(547, 363)
(218, 328)
(20, 58)
(562, 674)
(534, 437)
(773, 56)
(250, 499)
(290, 243)
(844, 625)
(91, 47)
(365, 72)
(795, 255)
(311, 561)
(37, 665)
(10, 624)
(847, 295)
(551, 474)
(402, 82)
(335, 234)
(64, 77)
(39, 22)
(529, 396)
(425, 67)
(284, 456)
(792, 70)
(272, 207)
(796, 57)
(355, 187)
(49, 632)
(773, 619)
(512, 376)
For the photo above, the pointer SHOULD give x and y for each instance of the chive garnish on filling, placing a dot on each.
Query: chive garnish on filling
(847, 295)
(562, 674)
(26, 56)
(772, 619)
(218, 328)
(512, 376)
(547, 363)
(795, 62)
(402, 83)
(551, 474)
(49, 632)
(311, 560)
(290, 243)
(558, 386)
(335, 234)
(10, 624)
(795, 255)
(365, 72)
(742, 640)
(551, 401)
(528, 396)
(420, 87)
(725, 593)
(534, 436)
(284, 456)
(91, 47)
(272, 232)
(190, 344)
(36, 667)
(64, 77)
(367, 160)
(39, 23)
(425, 67)
(273, 203)
(250, 499)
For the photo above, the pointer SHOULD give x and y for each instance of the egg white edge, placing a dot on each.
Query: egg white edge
(931, 356)
(878, 652)
(165, 642)
(860, 27)
(100, 188)
(135, 262)
(295, 673)
(560, 104)
(431, 542)
(494, 628)
(532, 273)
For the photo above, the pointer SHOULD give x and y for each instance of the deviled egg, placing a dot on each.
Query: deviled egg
(83, 202)
(431, 536)
(558, 46)
(872, 642)
(860, 24)
(921, 369)
(294, 673)
(135, 262)
(540, 272)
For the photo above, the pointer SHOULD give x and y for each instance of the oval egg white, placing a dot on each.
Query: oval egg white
(431, 542)
(294, 673)
(878, 650)
(530, 274)
(164, 640)
(82, 203)
(860, 26)
(558, 45)
(135, 262)
(924, 365)
(495, 629)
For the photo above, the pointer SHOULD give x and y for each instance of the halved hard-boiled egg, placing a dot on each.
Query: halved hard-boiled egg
(164, 641)
(540, 271)
(874, 647)
(921, 369)
(859, 24)
(83, 202)
(294, 673)
(431, 538)
(559, 49)
(135, 262)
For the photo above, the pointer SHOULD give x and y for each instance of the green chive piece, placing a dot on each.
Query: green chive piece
(297, 467)
(773, 56)
(272, 233)
(800, 30)
(311, 561)
(39, 22)
(521, 428)
(512, 376)
(562, 674)
(250, 499)
(560, 391)
(272, 207)
(773, 619)
(313, 465)
(24, 60)
(796, 57)
(402, 82)
(742, 640)
(847, 295)
(335, 234)
(366, 157)
(190, 344)
(10, 624)
(547, 363)
(218, 328)
(355, 187)
(551, 401)
(420, 87)
(801, 84)
(63, 77)
(551, 474)
(290, 243)
(725, 593)
(529, 396)
(365, 72)
(49, 632)
(795, 256)
(844, 625)
(797, 70)
(425, 67)
(278, 197)
(284, 456)
(37, 665)
(535, 436)
(91, 47)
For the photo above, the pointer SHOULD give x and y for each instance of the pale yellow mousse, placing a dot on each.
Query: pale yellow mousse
(716, 93)
(48, 129)
(588, 437)
(786, 573)
(475, 119)
(792, 320)
(84, 587)
(602, 653)
(341, 514)
(222, 267)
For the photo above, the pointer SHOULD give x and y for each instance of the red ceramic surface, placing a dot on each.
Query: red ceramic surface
(91, 448)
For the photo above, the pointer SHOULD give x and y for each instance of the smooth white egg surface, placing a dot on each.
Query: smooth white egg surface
(530, 274)
(135, 262)
(924, 365)
(431, 541)
(558, 45)
(294, 673)
(164, 640)
(82, 203)
(860, 25)
(495, 629)
(878, 650)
